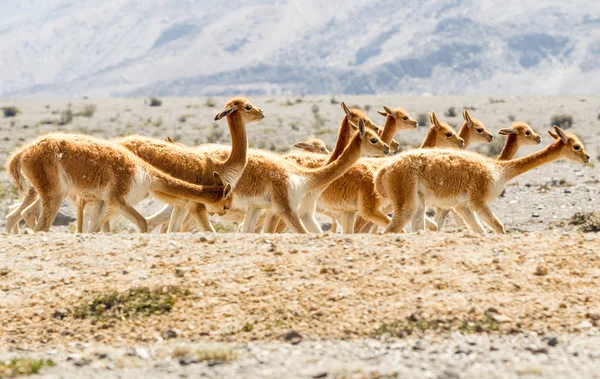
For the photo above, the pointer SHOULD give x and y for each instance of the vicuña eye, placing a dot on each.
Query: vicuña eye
(576, 147)
(448, 135)
(405, 118)
(248, 107)
(479, 130)
(373, 140)
(322, 149)
(527, 133)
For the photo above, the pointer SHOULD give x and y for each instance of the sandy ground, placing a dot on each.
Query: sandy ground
(350, 298)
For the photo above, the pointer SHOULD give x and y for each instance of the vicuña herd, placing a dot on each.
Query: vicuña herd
(357, 185)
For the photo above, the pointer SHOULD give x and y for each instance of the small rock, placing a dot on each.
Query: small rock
(60, 313)
(447, 374)
(541, 271)
(64, 217)
(180, 273)
(536, 350)
(567, 190)
(535, 215)
(500, 318)
(169, 334)
(186, 361)
(584, 325)
(419, 346)
(293, 337)
(553, 341)
(320, 375)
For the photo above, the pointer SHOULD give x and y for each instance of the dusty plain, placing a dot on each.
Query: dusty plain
(431, 305)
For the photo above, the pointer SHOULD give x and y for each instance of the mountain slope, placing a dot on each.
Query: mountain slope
(187, 47)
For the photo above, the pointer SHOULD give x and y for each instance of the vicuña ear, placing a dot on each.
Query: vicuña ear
(224, 112)
(553, 135)
(384, 114)
(227, 191)
(467, 117)
(561, 134)
(389, 111)
(361, 127)
(507, 131)
(345, 108)
(434, 120)
(217, 179)
(169, 139)
(303, 145)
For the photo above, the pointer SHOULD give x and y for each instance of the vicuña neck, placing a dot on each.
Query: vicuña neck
(343, 138)
(510, 148)
(430, 139)
(389, 130)
(239, 143)
(516, 167)
(325, 175)
(465, 134)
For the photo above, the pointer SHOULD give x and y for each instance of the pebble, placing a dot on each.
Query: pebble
(60, 313)
(541, 271)
(293, 337)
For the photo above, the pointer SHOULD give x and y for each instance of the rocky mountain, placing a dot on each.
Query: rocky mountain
(54, 48)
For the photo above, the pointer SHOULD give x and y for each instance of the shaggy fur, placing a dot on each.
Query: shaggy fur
(461, 179)
(57, 165)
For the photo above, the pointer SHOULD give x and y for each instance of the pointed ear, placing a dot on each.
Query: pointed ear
(553, 135)
(345, 108)
(227, 191)
(169, 139)
(382, 113)
(353, 125)
(388, 111)
(507, 131)
(467, 117)
(217, 179)
(224, 112)
(303, 145)
(361, 127)
(431, 119)
(434, 120)
(561, 134)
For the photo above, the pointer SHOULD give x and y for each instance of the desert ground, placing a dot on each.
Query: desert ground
(422, 305)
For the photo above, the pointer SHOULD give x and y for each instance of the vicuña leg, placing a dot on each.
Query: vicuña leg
(470, 219)
(487, 216)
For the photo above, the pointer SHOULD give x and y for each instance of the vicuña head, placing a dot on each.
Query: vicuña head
(371, 143)
(572, 148)
(355, 114)
(473, 130)
(313, 145)
(400, 117)
(523, 133)
(242, 107)
(441, 135)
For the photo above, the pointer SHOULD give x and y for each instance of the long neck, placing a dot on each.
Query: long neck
(516, 167)
(430, 139)
(234, 165)
(344, 136)
(327, 174)
(389, 130)
(465, 134)
(510, 148)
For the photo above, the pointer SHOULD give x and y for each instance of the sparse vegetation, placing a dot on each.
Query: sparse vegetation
(215, 354)
(422, 119)
(22, 367)
(88, 111)
(210, 103)
(511, 118)
(66, 117)
(299, 100)
(496, 101)
(136, 302)
(215, 134)
(10, 111)
(319, 122)
(563, 121)
(333, 100)
(183, 118)
(587, 222)
(367, 107)
(451, 112)
(155, 102)
(415, 324)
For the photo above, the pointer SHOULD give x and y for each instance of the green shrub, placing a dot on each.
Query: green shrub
(88, 111)
(155, 102)
(10, 111)
(423, 119)
(210, 103)
(451, 112)
(563, 121)
(66, 117)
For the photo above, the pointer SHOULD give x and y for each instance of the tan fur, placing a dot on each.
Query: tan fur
(60, 164)
(461, 179)
(313, 145)
(441, 135)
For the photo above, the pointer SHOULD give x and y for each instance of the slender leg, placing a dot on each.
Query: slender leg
(106, 227)
(32, 213)
(281, 227)
(348, 220)
(160, 218)
(405, 208)
(14, 216)
(440, 217)
(470, 219)
(50, 206)
(164, 228)
(175, 221)
(250, 220)
(130, 213)
(271, 222)
(292, 220)
(487, 216)
(417, 222)
(200, 215)
(96, 216)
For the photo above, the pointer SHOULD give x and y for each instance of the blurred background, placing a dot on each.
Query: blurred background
(102, 48)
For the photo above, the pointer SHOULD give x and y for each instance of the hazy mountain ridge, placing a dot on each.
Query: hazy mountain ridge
(186, 47)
